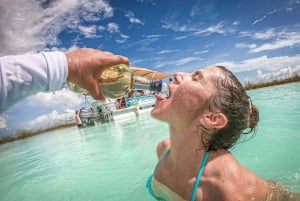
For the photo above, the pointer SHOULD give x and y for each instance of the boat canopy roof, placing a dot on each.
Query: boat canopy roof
(144, 72)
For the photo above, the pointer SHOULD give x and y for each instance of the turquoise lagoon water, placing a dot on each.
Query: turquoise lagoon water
(112, 161)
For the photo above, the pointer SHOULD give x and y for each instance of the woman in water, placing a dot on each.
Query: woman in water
(207, 111)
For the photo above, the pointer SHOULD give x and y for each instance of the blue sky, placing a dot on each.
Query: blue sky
(255, 39)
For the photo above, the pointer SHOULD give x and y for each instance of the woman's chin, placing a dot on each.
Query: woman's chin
(157, 114)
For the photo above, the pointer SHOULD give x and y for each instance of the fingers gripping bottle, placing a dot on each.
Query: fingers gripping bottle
(113, 82)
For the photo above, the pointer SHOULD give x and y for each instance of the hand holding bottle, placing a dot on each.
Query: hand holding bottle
(86, 66)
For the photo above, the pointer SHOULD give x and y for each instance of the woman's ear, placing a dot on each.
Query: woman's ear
(213, 120)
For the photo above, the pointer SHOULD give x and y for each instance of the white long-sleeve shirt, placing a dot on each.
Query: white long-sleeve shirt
(25, 75)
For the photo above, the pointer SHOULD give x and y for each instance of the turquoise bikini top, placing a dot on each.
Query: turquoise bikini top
(196, 184)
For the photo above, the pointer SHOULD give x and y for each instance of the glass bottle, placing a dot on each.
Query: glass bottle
(113, 82)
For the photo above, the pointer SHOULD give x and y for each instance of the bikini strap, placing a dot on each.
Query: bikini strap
(150, 178)
(161, 159)
(200, 172)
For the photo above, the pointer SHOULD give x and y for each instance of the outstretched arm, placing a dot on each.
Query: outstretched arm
(25, 75)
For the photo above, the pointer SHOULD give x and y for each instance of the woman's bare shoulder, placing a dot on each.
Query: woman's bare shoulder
(227, 175)
(162, 147)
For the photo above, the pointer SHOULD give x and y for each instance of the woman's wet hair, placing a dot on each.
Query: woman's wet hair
(231, 99)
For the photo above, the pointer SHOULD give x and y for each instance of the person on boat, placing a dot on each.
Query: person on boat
(130, 94)
(121, 103)
(25, 75)
(78, 120)
(207, 112)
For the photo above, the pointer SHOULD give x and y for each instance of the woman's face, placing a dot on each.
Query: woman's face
(187, 95)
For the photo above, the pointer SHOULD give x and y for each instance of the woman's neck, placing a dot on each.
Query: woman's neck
(187, 149)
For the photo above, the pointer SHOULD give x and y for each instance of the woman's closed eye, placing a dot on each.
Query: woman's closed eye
(197, 75)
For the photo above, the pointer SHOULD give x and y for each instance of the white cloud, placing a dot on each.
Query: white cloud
(259, 20)
(217, 28)
(275, 38)
(186, 60)
(263, 35)
(179, 62)
(60, 100)
(167, 51)
(262, 63)
(281, 74)
(275, 67)
(26, 26)
(51, 120)
(132, 18)
(178, 28)
(264, 17)
(143, 44)
(193, 29)
(41, 111)
(265, 63)
(2, 122)
(124, 36)
(244, 45)
(113, 28)
(101, 28)
(201, 52)
(73, 47)
(181, 37)
(122, 39)
(235, 23)
(260, 35)
(196, 9)
(294, 40)
(154, 36)
(88, 32)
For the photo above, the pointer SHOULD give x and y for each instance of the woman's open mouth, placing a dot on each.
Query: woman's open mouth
(160, 97)
(163, 96)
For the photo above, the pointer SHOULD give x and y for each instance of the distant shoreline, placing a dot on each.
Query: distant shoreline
(25, 134)
(250, 86)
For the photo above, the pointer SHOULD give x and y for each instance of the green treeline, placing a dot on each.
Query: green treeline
(249, 85)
